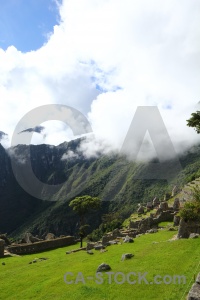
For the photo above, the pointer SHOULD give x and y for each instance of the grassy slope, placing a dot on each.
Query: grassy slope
(44, 280)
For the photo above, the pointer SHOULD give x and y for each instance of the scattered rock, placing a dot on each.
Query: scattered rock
(176, 204)
(156, 202)
(193, 235)
(37, 260)
(90, 246)
(103, 267)
(128, 239)
(99, 247)
(152, 230)
(90, 252)
(103, 250)
(172, 229)
(194, 293)
(50, 236)
(176, 220)
(164, 206)
(126, 256)
(140, 210)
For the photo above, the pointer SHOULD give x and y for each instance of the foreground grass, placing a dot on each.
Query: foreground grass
(153, 253)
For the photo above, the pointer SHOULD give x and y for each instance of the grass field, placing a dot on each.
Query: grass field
(153, 253)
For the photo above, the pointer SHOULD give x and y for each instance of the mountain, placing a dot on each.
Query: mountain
(2, 135)
(112, 178)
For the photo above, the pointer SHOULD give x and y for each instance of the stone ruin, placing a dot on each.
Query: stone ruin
(187, 228)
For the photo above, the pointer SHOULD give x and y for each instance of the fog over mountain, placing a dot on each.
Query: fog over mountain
(106, 59)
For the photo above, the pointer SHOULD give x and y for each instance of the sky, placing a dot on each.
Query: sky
(104, 58)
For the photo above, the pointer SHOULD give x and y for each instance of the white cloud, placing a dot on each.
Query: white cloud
(137, 52)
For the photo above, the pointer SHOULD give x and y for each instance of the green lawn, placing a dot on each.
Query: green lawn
(153, 253)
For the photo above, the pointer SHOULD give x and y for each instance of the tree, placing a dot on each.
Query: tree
(194, 121)
(191, 209)
(83, 205)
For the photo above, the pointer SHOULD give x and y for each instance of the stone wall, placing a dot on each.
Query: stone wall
(41, 246)
(186, 228)
(1, 248)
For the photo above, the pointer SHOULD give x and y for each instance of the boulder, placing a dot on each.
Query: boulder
(128, 239)
(90, 246)
(126, 256)
(194, 293)
(103, 267)
(29, 238)
(174, 191)
(176, 205)
(176, 220)
(183, 231)
(99, 247)
(194, 235)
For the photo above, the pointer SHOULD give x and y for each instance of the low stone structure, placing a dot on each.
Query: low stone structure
(176, 205)
(1, 248)
(163, 205)
(156, 202)
(41, 246)
(140, 210)
(194, 293)
(186, 228)
(175, 190)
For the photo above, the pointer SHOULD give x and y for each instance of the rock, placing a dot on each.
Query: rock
(176, 205)
(174, 191)
(140, 210)
(164, 206)
(1, 248)
(159, 211)
(112, 243)
(198, 279)
(99, 247)
(103, 250)
(103, 267)
(183, 231)
(50, 236)
(29, 238)
(172, 229)
(166, 197)
(126, 256)
(149, 205)
(193, 235)
(176, 220)
(90, 252)
(116, 232)
(194, 293)
(153, 230)
(128, 239)
(3, 263)
(90, 246)
(156, 202)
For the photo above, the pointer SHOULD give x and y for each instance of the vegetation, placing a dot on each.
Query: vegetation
(191, 209)
(83, 205)
(194, 121)
(153, 253)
